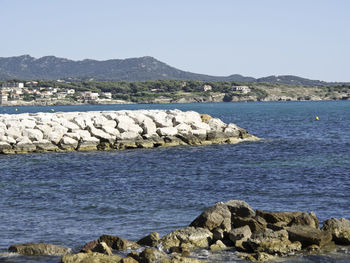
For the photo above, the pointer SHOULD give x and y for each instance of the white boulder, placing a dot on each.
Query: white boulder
(167, 131)
(183, 128)
(33, 134)
(28, 123)
(216, 124)
(129, 135)
(100, 134)
(161, 118)
(14, 132)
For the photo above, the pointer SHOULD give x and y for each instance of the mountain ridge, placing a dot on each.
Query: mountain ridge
(130, 69)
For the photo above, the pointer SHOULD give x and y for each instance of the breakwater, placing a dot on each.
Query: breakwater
(106, 130)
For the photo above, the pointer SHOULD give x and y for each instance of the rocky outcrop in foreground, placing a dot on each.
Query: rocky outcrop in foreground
(106, 130)
(232, 226)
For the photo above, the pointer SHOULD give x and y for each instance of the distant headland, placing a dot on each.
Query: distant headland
(50, 80)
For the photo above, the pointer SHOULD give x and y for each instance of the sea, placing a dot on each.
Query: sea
(68, 199)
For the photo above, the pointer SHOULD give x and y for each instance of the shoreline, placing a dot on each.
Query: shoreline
(119, 102)
(229, 230)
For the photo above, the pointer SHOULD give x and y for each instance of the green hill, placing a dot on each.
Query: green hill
(133, 69)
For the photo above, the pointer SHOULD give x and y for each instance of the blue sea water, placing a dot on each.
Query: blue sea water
(72, 198)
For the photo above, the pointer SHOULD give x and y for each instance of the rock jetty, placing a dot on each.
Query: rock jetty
(226, 227)
(106, 130)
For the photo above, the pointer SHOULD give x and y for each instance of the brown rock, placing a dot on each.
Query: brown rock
(217, 216)
(255, 224)
(239, 208)
(282, 219)
(151, 240)
(118, 243)
(305, 219)
(340, 229)
(272, 242)
(102, 248)
(152, 255)
(219, 245)
(39, 249)
(240, 234)
(128, 260)
(135, 255)
(180, 250)
(89, 246)
(308, 236)
(205, 118)
(182, 259)
(217, 136)
(313, 248)
(190, 237)
(263, 257)
(259, 256)
(278, 217)
(90, 258)
(218, 234)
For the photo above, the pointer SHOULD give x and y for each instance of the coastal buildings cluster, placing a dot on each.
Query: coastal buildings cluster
(12, 92)
(48, 93)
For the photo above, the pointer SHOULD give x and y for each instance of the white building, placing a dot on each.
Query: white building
(243, 89)
(14, 85)
(207, 88)
(70, 91)
(107, 95)
(3, 97)
(88, 95)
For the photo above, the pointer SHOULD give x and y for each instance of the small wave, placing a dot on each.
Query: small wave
(8, 254)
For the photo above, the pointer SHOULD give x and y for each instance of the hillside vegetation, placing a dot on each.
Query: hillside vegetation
(132, 69)
(166, 91)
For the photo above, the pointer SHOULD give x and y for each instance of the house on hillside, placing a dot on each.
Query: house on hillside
(13, 85)
(3, 97)
(107, 95)
(70, 91)
(242, 89)
(207, 88)
(89, 95)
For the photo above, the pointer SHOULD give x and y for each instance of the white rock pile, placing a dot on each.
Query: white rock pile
(105, 130)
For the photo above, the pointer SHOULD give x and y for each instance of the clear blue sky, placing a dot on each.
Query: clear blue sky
(308, 38)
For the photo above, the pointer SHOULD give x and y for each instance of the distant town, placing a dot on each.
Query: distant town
(67, 92)
(14, 92)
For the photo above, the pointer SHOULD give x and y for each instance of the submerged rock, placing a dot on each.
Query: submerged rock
(39, 249)
(91, 258)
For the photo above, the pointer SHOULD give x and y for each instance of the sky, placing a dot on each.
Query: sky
(257, 38)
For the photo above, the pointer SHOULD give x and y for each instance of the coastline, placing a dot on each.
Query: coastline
(227, 230)
(162, 101)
